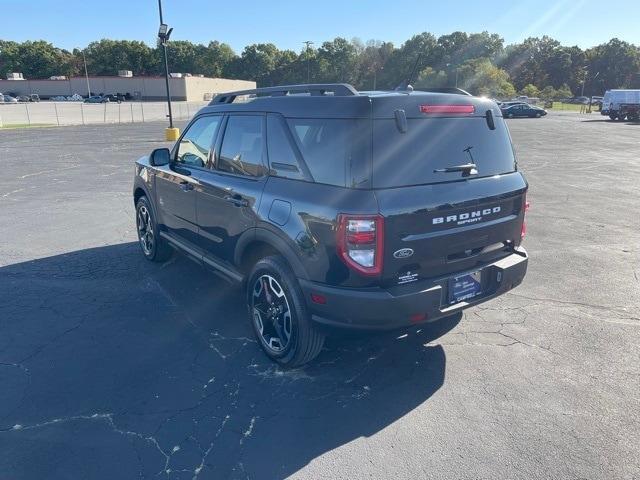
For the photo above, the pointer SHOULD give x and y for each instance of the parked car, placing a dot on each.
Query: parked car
(10, 99)
(523, 110)
(97, 99)
(511, 102)
(621, 104)
(24, 98)
(34, 97)
(339, 208)
(1, 98)
(117, 97)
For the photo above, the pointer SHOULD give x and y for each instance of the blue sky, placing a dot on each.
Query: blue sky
(74, 23)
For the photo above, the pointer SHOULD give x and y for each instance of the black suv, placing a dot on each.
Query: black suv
(339, 208)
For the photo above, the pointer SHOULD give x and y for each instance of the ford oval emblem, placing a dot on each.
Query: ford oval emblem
(403, 253)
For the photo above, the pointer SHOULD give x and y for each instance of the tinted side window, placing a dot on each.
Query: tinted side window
(282, 158)
(336, 151)
(242, 146)
(196, 143)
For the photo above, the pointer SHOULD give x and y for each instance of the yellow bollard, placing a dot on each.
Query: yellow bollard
(171, 134)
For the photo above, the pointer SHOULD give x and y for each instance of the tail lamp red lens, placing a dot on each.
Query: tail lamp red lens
(448, 109)
(360, 242)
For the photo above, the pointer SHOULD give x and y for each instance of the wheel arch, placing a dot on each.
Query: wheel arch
(259, 243)
(140, 190)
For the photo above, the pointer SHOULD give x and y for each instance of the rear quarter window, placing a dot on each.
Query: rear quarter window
(336, 151)
(402, 159)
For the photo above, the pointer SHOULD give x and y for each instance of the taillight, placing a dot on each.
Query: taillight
(360, 242)
(523, 232)
(448, 109)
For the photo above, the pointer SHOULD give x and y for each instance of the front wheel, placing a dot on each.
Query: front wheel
(153, 247)
(279, 316)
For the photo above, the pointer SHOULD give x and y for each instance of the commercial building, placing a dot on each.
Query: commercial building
(190, 88)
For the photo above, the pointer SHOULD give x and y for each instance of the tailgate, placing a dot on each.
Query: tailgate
(441, 229)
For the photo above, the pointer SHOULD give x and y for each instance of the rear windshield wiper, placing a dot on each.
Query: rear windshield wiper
(466, 169)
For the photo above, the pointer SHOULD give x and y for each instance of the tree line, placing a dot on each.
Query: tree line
(478, 62)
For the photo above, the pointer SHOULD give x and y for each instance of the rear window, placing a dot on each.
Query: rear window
(401, 159)
(336, 151)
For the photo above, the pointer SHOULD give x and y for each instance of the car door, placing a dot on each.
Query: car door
(229, 193)
(176, 182)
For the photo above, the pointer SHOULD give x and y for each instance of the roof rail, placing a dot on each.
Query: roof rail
(338, 89)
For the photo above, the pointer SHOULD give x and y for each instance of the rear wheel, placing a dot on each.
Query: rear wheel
(538, 115)
(153, 247)
(510, 115)
(279, 316)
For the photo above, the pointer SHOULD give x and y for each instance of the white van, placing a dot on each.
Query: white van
(614, 98)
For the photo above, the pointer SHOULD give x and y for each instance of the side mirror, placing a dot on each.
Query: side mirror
(159, 157)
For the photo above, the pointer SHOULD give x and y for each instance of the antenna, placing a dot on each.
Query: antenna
(406, 84)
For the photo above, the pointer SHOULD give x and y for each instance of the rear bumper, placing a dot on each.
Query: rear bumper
(386, 309)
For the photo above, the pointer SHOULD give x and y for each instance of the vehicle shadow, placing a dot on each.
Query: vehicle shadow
(608, 120)
(113, 367)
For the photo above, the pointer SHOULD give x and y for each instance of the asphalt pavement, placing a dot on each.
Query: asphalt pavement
(115, 368)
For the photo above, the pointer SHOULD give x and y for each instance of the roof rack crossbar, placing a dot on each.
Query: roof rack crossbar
(338, 90)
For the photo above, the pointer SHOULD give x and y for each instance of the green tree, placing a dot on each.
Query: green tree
(564, 92)
(548, 93)
(617, 63)
(256, 62)
(420, 50)
(37, 59)
(106, 57)
(481, 77)
(214, 60)
(530, 90)
(338, 61)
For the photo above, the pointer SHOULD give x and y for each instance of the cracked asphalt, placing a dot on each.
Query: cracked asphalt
(112, 367)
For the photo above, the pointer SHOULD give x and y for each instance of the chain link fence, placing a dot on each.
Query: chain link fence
(78, 113)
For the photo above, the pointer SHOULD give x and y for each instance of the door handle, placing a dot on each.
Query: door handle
(237, 200)
(186, 186)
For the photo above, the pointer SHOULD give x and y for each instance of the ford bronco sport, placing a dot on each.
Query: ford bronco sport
(339, 208)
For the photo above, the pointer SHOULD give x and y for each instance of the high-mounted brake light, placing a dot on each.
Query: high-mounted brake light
(448, 109)
(360, 242)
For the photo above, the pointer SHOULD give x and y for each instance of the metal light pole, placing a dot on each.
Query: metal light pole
(308, 43)
(86, 75)
(164, 33)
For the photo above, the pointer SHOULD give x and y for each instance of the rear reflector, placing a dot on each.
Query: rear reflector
(418, 317)
(448, 109)
(320, 299)
(523, 232)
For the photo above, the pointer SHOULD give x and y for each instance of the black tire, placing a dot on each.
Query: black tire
(154, 248)
(510, 115)
(304, 340)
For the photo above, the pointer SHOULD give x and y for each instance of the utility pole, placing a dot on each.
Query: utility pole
(164, 32)
(308, 43)
(86, 74)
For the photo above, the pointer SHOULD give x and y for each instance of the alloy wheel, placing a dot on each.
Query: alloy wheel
(271, 313)
(145, 230)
